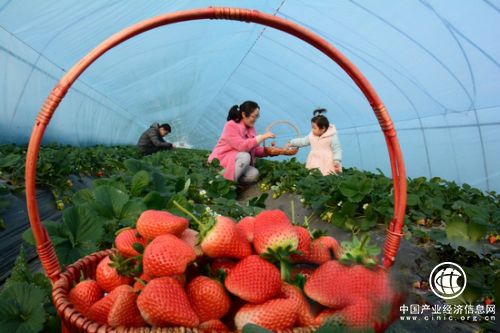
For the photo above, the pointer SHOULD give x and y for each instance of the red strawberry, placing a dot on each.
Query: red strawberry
(124, 241)
(323, 249)
(303, 245)
(224, 264)
(325, 315)
(214, 325)
(304, 314)
(108, 278)
(84, 294)
(329, 285)
(124, 311)
(163, 302)
(100, 310)
(335, 285)
(254, 279)
(247, 225)
(374, 284)
(275, 314)
(275, 236)
(139, 285)
(266, 217)
(153, 223)
(488, 300)
(208, 298)
(273, 231)
(167, 255)
(492, 239)
(190, 236)
(361, 313)
(224, 239)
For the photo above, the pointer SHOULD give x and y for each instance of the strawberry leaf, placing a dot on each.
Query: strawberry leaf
(139, 182)
(21, 308)
(359, 252)
(333, 326)
(75, 237)
(252, 328)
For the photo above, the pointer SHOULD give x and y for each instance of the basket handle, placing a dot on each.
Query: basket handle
(236, 14)
(285, 122)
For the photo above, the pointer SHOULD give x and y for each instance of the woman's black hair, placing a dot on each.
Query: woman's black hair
(166, 127)
(247, 107)
(320, 120)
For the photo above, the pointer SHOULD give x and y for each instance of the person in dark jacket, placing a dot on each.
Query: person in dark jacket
(152, 140)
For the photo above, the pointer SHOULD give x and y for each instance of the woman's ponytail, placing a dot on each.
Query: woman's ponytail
(234, 114)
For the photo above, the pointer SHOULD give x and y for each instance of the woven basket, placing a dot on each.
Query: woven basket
(72, 320)
(275, 151)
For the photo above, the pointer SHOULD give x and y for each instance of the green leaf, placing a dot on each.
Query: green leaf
(477, 231)
(83, 196)
(21, 309)
(135, 166)
(186, 186)
(139, 182)
(21, 271)
(109, 201)
(412, 200)
(2, 224)
(9, 161)
(28, 237)
(252, 328)
(78, 235)
(132, 209)
(54, 229)
(356, 188)
(457, 230)
(259, 201)
(81, 222)
(154, 200)
(334, 326)
(437, 235)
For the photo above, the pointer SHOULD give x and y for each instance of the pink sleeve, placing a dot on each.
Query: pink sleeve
(234, 139)
(259, 152)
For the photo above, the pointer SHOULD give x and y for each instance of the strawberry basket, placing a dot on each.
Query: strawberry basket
(74, 321)
(275, 151)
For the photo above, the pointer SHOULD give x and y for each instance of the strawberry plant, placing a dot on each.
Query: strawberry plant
(77, 236)
(4, 203)
(25, 304)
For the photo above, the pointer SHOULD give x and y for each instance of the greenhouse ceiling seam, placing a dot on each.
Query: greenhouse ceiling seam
(449, 27)
(242, 59)
(64, 71)
(408, 77)
(420, 45)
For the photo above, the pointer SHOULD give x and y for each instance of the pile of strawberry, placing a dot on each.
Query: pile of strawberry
(262, 270)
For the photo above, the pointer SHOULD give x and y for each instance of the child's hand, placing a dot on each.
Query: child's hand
(337, 167)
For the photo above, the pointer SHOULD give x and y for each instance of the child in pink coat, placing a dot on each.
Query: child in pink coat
(326, 153)
(238, 144)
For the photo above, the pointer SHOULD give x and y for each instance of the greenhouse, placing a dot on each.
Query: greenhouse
(249, 166)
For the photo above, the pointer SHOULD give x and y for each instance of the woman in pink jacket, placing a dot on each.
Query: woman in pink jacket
(326, 153)
(238, 145)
